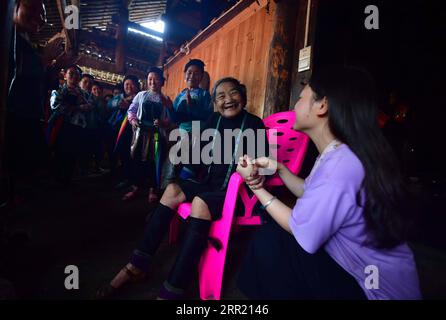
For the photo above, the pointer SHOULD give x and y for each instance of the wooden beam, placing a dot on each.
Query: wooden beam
(305, 32)
(280, 60)
(108, 67)
(74, 34)
(6, 14)
(121, 38)
(102, 40)
(97, 64)
(61, 4)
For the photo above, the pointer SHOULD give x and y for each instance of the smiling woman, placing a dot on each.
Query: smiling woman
(206, 191)
(353, 213)
(193, 103)
(229, 97)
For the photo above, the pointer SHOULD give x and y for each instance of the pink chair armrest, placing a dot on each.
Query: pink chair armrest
(184, 210)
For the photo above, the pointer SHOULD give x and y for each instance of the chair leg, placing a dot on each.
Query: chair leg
(212, 262)
(211, 271)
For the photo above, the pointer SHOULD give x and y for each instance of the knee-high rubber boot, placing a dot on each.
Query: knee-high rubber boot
(155, 230)
(186, 264)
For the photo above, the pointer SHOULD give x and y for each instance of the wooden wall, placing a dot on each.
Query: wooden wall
(238, 48)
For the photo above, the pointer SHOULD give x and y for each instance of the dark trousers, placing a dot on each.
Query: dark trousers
(25, 147)
(277, 268)
(68, 150)
(143, 173)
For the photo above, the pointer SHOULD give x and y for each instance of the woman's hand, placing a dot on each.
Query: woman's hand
(255, 182)
(267, 163)
(245, 167)
(249, 170)
(250, 173)
(188, 98)
(156, 123)
(134, 123)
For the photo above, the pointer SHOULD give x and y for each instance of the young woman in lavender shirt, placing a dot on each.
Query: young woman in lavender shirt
(346, 236)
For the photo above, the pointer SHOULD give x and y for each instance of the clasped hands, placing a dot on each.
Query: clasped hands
(249, 170)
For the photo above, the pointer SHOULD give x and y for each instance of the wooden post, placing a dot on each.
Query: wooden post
(6, 14)
(280, 60)
(61, 4)
(74, 33)
(121, 38)
(305, 36)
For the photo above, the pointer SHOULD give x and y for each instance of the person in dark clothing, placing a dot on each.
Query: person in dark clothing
(99, 150)
(148, 116)
(71, 105)
(191, 104)
(206, 190)
(119, 140)
(25, 149)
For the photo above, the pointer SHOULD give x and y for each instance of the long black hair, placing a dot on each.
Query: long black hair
(352, 118)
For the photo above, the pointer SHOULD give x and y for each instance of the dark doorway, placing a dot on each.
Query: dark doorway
(406, 54)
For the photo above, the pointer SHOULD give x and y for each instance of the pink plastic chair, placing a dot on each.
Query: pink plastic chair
(280, 119)
(291, 148)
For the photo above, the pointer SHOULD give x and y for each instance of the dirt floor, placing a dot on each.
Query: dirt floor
(89, 226)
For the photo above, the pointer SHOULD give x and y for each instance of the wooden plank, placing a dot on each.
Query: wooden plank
(257, 64)
(236, 11)
(249, 65)
(266, 42)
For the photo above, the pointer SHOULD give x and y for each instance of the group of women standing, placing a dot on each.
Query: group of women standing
(345, 238)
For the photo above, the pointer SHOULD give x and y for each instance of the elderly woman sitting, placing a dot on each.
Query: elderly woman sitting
(206, 194)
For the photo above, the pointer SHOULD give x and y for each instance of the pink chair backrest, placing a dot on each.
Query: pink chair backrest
(289, 145)
(280, 119)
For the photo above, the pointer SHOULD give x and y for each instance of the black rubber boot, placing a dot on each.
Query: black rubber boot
(194, 242)
(156, 228)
